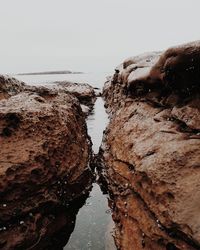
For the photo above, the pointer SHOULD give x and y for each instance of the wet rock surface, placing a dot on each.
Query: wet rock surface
(44, 166)
(150, 155)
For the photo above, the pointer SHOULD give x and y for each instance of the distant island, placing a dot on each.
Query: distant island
(50, 73)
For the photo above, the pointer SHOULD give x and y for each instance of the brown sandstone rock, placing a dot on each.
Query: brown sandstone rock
(10, 86)
(84, 92)
(151, 151)
(44, 165)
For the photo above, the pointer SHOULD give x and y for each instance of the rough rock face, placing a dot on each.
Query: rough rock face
(151, 150)
(84, 92)
(44, 165)
(10, 86)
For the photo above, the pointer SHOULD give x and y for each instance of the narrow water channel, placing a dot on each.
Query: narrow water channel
(94, 225)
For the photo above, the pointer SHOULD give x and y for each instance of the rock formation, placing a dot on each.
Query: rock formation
(44, 164)
(84, 92)
(151, 150)
(10, 86)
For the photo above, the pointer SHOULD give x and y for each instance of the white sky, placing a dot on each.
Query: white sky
(90, 35)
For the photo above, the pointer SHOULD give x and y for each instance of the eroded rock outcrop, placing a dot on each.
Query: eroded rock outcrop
(44, 165)
(151, 150)
(83, 91)
(10, 86)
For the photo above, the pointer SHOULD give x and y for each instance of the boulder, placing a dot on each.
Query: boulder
(83, 91)
(44, 165)
(150, 155)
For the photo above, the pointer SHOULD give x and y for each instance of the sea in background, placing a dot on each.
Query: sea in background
(94, 225)
(96, 80)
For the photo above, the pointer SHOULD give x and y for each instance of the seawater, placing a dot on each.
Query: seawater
(94, 226)
(94, 79)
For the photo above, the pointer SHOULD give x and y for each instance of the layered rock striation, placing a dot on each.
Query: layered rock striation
(45, 154)
(150, 156)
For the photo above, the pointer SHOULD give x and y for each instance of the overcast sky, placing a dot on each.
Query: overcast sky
(90, 35)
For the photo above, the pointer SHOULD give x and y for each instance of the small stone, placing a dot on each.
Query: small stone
(21, 222)
(126, 185)
(108, 211)
(143, 243)
(89, 244)
(88, 203)
(4, 205)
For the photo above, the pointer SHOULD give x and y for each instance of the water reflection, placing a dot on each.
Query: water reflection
(60, 229)
(94, 225)
(47, 228)
(96, 124)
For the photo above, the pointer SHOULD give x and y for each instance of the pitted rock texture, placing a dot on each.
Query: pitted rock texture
(44, 165)
(151, 150)
(10, 86)
(83, 91)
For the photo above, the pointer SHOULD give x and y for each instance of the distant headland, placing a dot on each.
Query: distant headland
(51, 73)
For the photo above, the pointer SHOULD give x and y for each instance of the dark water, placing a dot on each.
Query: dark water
(94, 226)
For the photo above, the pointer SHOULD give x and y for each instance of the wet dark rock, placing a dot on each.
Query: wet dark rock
(151, 150)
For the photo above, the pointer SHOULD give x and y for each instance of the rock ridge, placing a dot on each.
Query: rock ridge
(150, 155)
(45, 155)
(84, 92)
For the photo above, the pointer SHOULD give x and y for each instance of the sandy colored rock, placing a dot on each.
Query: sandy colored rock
(84, 92)
(151, 152)
(10, 86)
(44, 166)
